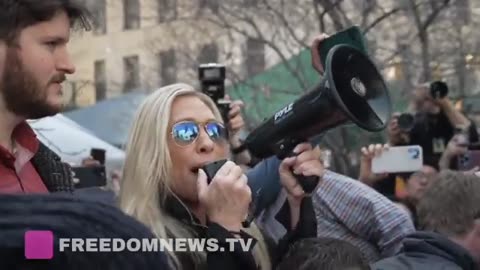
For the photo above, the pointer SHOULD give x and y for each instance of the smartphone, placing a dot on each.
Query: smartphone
(469, 160)
(85, 177)
(352, 36)
(474, 146)
(98, 154)
(399, 159)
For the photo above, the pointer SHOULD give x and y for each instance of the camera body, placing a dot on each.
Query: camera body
(212, 79)
(406, 122)
(438, 89)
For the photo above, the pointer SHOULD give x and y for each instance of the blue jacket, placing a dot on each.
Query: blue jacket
(264, 181)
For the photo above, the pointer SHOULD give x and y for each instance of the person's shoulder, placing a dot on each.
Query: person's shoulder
(97, 194)
(417, 262)
(392, 263)
(336, 184)
(341, 179)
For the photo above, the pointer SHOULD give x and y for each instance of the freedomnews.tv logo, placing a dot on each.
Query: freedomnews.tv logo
(41, 244)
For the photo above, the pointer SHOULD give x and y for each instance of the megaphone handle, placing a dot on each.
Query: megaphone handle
(308, 183)
(283, 149)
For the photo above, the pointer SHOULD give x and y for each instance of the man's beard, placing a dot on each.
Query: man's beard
(22, 93)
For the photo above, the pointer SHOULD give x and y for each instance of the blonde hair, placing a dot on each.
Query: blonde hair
(146, 179)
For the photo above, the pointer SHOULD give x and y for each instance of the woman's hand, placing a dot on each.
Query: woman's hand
(227, 197)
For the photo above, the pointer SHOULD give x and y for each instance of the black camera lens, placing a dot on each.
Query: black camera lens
(438, 89)
(406, 122)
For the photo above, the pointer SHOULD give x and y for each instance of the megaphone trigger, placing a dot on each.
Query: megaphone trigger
(308, 183)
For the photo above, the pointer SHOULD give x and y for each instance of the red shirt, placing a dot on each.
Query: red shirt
(17, 174)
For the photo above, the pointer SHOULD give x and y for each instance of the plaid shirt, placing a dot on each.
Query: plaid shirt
(348, 210)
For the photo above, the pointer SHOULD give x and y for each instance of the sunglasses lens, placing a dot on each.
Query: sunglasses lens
(216, 131)
(185, 132)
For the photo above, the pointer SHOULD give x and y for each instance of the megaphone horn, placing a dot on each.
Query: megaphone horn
(352, 89)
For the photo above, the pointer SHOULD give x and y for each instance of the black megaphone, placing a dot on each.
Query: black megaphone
(352, 90)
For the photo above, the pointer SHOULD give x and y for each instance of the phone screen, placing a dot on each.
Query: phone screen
(89, 176)
(469, 160)
(351, 36)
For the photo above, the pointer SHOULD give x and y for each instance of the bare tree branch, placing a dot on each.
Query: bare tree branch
(285, 24)
(329, 9)
(435, 12)
(380, 19)
(260, 36)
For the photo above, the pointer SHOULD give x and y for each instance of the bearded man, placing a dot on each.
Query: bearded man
(33, 63)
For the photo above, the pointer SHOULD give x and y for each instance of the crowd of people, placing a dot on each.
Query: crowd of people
(423, 219)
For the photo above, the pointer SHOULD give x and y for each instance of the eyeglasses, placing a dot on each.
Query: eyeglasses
(186, 132)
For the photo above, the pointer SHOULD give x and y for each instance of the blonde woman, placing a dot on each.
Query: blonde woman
(175, 132)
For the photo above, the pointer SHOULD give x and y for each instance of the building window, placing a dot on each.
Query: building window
(210, 4)
(131, 69)
(464, 11)
(249, 3)
(98, 10)
(167, 10)
(168, 67)
(100, 80)
(208, 54)
(368, 5)
(131, 11)
(255, 56)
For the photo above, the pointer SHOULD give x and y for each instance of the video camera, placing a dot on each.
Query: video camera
(212, 79)
(438, 89)
(406, 122)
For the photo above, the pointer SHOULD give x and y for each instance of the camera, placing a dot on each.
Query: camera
(406, 122)
(212, 80)
(438, 89)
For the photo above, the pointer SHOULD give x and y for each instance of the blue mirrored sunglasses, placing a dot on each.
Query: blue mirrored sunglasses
(185, 133)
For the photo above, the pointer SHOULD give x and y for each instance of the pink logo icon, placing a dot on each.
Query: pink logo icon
(39, 245)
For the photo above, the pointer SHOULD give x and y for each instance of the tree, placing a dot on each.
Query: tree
(285, 29)
(424, 14)
(409, 35)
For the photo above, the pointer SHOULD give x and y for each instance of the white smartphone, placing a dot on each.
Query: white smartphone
(399, 159)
